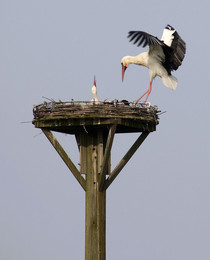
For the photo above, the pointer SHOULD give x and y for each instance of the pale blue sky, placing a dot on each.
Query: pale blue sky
(159, 206)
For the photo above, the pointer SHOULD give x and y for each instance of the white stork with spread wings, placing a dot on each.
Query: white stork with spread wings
(163, 56)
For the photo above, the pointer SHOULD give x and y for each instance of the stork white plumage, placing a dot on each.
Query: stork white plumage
(94, 91)
(163, 56)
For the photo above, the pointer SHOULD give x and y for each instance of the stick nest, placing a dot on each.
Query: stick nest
(91, 109)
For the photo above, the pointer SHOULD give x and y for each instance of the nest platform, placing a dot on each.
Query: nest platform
(74, 116)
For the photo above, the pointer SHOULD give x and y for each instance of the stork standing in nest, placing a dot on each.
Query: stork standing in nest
(163, 56)
(94, 91)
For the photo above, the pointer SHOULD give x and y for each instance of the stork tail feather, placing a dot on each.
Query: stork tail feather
(170, 82)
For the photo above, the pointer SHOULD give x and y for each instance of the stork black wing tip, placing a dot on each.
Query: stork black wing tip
(130, 33)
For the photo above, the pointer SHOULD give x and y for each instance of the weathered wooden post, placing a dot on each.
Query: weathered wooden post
(92, 153)
(94, 126)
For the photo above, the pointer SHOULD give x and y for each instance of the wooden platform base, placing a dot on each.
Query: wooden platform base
(94, 126)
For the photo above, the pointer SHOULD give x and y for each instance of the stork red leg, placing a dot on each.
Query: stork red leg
(147, 92)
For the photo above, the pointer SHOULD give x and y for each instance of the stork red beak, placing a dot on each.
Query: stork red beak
(123, 71)
(94, 83)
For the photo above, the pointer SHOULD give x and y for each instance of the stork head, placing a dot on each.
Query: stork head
(125, 63)
(94, 83)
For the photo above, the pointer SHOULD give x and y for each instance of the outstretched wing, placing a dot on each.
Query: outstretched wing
(144, 39)
(174, 49)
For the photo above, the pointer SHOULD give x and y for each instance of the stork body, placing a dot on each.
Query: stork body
(163, 56)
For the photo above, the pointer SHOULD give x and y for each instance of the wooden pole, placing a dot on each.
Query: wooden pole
(95, 154)
(92, 153)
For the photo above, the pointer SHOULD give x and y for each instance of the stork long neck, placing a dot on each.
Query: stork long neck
(94, 91)
(95, 96)
(141, 59)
